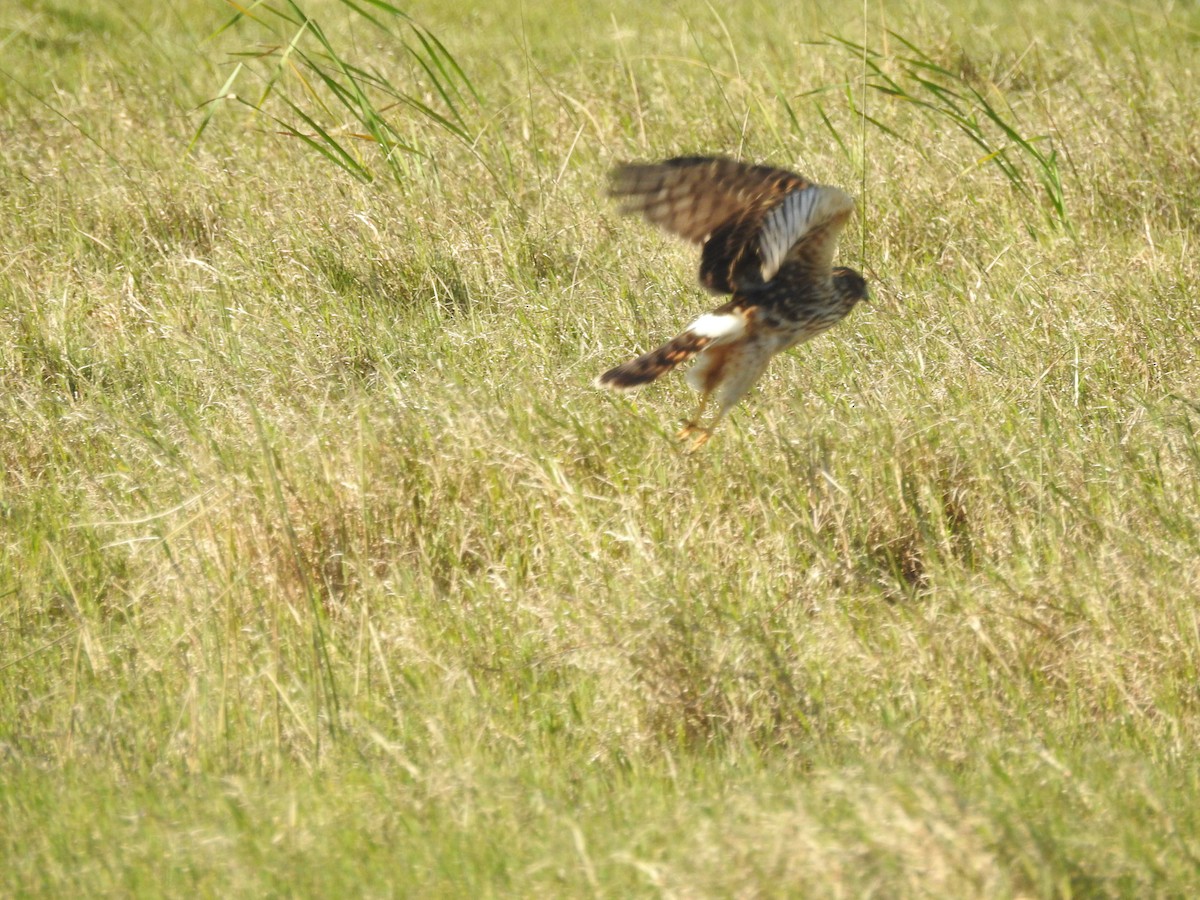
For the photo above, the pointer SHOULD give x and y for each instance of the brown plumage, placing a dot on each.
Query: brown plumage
(658, 362)
(768, 239)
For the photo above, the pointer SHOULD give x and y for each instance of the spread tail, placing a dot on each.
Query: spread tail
(719, 327)
(649, 366)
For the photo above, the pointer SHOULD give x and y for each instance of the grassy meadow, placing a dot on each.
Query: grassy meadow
(326, 571)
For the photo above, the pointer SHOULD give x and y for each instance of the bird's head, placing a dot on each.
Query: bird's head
(850, 284)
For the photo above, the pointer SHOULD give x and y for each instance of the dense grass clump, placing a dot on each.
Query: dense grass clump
(324, 569)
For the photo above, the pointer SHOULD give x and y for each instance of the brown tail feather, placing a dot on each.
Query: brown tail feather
(649, 366)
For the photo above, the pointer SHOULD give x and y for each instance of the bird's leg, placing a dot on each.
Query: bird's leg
(704, 432)
(693, 425)
(701, 439)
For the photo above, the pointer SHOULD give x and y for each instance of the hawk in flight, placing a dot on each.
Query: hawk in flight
(768, 238)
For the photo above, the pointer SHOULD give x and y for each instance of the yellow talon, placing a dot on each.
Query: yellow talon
(692, 426)
(702, 435)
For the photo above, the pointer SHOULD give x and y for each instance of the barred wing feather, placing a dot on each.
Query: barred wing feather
(806, 224)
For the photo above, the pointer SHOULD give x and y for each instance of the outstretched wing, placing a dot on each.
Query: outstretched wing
(692, 196)
(746, 253)
(802, 230)
(751, 219)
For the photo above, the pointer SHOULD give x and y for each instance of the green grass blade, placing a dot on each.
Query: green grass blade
(439, 51)
(828, 126)
(210, 107)
(327, 146)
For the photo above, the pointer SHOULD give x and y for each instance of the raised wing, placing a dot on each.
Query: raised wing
(803, 229)
(751, 219)
(745, 253)
(692, 196)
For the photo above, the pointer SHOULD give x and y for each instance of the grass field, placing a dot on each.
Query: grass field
(325, 570)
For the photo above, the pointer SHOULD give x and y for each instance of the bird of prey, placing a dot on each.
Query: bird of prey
(768, 238)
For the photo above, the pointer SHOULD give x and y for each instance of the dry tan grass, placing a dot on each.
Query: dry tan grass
(325, 570)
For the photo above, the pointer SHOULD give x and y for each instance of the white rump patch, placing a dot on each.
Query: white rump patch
(797, 214)
(719, 326)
